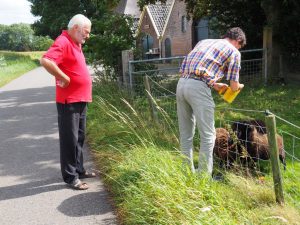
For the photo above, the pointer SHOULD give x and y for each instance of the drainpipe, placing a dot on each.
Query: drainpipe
(160, 46)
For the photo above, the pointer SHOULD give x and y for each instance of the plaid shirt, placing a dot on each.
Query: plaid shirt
(210, 60)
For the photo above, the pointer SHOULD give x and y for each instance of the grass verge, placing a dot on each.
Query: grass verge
(15, 64)
(143, 168)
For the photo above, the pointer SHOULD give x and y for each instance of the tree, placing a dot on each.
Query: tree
(55, 14)
(142, 3)
(16, 37)
(20, 37)
(283, 17)
(3, 37)
(41, 43)
(111, 33)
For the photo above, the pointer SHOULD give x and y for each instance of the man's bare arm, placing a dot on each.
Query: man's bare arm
(235, 85)
(53, 69)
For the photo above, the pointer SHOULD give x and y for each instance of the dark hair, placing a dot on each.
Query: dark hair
(236, 33)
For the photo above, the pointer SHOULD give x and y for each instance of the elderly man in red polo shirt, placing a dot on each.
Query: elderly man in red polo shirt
(66, 62)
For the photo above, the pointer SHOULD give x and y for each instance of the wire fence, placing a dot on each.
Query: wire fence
(162, 77)
(248, 155)
(253, 68)
(162, 70)
(166, 70)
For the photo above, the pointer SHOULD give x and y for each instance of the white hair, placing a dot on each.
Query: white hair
(79, 20)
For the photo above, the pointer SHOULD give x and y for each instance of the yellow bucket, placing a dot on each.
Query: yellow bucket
(229, 95)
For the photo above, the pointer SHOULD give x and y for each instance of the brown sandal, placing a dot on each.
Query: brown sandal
(78, 185)
(87, 174)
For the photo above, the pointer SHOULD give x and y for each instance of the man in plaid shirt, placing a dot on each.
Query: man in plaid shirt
(201, 70)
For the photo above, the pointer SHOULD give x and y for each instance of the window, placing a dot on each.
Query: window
(168, 52)
(183, 24)
(202, 30)
(147, 43)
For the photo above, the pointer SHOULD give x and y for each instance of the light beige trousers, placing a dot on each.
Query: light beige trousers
(195, 105)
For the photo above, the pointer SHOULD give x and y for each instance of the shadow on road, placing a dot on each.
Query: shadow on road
(28, 134)
(29, 142)
(31, 188)
(85, 204)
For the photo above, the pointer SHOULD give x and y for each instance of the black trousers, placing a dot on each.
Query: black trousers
(71, 125)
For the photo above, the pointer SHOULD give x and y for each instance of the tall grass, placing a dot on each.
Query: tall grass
(15, 64)
(143, 169)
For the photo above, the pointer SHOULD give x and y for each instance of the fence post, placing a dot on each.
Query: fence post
(127, 55)
(130, 69)
(271, 130)
(150, 99)
(265, 51)
(268, 45)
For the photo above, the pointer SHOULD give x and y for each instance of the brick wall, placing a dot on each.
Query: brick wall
(181, 42)
(147, 28)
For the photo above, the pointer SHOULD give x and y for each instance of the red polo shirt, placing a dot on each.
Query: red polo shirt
(69, 57)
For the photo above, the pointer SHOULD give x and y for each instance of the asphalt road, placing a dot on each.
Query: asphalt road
(31, 187)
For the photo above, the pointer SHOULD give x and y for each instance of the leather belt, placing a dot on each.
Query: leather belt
(194, 77)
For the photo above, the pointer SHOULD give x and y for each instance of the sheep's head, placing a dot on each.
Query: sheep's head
(241, 129)
(281, 150)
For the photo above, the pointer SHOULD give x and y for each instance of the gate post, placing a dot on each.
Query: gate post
(153, 110)
(127, 55)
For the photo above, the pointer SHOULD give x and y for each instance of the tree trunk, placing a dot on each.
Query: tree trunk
(272, 8)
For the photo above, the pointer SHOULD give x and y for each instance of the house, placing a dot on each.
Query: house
(163, 30)
(167, 32)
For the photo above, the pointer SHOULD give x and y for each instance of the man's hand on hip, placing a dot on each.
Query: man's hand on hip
(63, 83)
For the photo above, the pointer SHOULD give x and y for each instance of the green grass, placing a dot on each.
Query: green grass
(143, 167)
(15, 64)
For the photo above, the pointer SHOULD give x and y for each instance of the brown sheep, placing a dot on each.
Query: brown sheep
(224, 148)
(242, 129)
(252, 135)
(258, 147)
